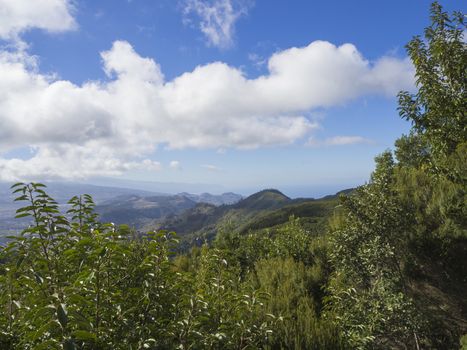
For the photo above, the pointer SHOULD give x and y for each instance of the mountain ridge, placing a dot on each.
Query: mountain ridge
(264, 209)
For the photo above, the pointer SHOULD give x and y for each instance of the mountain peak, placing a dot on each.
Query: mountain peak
(265, 199)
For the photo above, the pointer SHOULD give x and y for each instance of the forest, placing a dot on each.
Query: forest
(385, 269)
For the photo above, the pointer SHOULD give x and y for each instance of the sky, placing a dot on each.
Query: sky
(245, 94)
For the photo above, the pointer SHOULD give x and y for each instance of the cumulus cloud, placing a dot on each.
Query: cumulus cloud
(217, 18)
(339, 141)
(60, 161)
(17, 16)
(108, 127)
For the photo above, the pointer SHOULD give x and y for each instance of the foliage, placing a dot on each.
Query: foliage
(290, 264)
(463, 342)
(438, 110)
(388, 271)
(292, 286)
(368, 243)
(74, 283)
(405, 231)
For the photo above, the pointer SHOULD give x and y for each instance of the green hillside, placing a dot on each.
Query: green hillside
(264, 209)
(311, 212)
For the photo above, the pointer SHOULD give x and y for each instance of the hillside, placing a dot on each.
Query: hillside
(221, 199)
(137, 211)
(264, 209)
(143, 212)
(119, 205)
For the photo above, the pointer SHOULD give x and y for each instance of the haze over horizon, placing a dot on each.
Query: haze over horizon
(95, 186)
(236, 94)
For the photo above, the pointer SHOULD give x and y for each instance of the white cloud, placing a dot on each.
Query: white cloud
(339, 141)
(211, 167)
(17, 16)
(175, 164)
(107, 127)
(217, 18)
(257, 60)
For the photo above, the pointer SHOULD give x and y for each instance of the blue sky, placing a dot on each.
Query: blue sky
(247, 94)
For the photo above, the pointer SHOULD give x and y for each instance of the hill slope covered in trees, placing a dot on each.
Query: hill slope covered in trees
(261, 210)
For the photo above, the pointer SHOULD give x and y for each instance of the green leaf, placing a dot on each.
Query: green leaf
(102, 252)
(27, 208)
(19, 262)
(17, 184)
(37, 184)
(84, 335)
(62, 315)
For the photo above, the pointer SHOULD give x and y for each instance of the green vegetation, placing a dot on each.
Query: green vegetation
(383, 267)
(81, 284)
(263, 210)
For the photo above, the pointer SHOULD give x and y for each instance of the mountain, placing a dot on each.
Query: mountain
(61, 192)
(263, 200)
(136, 207)
(137, 211)
(187, 214)
(265, 209)
(208, 218)
(221, 199)
(146, 211)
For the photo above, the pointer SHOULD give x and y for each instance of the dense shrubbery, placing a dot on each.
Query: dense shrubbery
(407, 230)
(82, 284)
(71, 282)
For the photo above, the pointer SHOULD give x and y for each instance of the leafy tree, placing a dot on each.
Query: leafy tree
(438, 109)
(412, 150)
(368, 243)
(411, 216)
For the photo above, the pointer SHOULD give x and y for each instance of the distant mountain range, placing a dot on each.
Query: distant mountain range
(265, 209)
(113, 203)
(189, 215)
(158, 187)
(142, 211)
(61, 192)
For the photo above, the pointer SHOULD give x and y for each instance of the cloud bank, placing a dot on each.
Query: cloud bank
(17, 16)
(108, 127)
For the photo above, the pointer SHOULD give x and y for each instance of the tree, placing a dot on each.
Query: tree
(438, 109)
(368, 242)
(411, 216)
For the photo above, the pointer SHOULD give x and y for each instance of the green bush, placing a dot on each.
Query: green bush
(70, 282)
